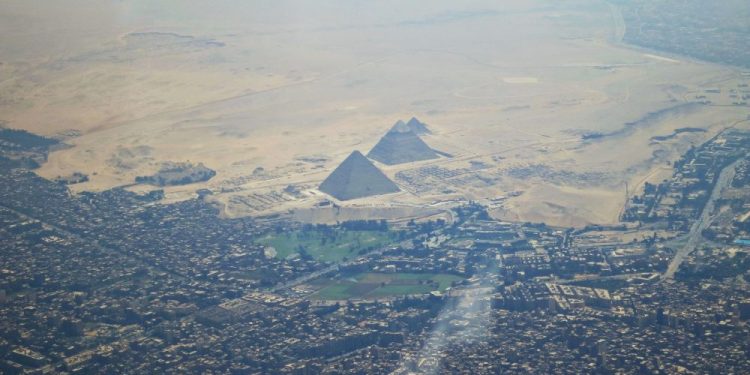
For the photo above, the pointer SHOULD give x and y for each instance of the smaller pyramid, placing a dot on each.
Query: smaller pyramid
(418, 127)
(357, 177)
(401, 145)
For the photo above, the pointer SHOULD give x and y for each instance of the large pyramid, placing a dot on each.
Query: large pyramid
(418, 127)
(357, 177)
(402, 145)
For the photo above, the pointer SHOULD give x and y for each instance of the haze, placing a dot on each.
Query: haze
(272, 94)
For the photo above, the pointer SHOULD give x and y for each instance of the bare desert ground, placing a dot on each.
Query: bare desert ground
(546, 115)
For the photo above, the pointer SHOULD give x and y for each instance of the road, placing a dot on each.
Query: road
(694, 238)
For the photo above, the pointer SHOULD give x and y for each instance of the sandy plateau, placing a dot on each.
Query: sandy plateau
(545, 119)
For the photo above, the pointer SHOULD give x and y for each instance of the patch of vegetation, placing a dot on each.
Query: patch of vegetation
(327, 246)
(396, 290)
(379, 285)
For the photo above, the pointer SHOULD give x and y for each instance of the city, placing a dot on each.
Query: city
(375, 187)
(101, 281)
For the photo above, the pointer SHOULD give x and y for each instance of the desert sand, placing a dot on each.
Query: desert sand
(276, 94)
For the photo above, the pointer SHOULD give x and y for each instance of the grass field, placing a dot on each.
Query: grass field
(377, 285)
(345, 244)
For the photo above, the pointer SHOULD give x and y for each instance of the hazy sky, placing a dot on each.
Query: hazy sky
(40, 28)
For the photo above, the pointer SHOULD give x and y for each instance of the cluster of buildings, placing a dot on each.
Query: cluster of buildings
(681, 199)
(686, 28)
(111, 282)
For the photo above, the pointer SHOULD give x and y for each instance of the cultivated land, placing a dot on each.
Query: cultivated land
(546, 113)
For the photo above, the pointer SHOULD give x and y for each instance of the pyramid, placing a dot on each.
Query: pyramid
(418, 127)
(357, 177)
(401, 145)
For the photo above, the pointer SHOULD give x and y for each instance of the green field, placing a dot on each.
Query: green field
(378, 285)
(327, 248)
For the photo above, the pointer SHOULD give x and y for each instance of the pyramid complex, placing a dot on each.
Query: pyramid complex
(402, 145)
(357, 177)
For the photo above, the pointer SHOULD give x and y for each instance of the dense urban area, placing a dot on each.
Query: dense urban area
(118, 282)
(715, 32)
